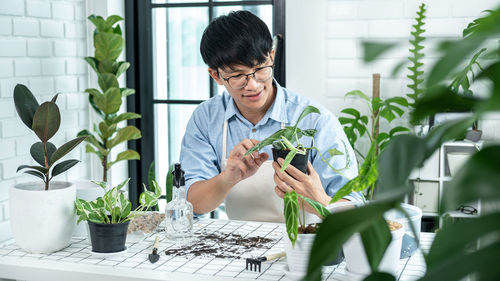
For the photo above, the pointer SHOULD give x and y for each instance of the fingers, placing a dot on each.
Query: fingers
(310, 169)
(278, 192)
(292, 171)
(284, 176)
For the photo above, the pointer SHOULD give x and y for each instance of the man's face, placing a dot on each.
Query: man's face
(257, 95)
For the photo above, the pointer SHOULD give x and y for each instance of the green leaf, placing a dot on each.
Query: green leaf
(40, 169)
(372, 50)
(376, 238)
(269, 140)
(107, 66)
(110, 102)
(107, 81)
(46, 121)
(337, 228)
(37, 153)
(111, 20)
(125, 155)
(151, 174)
(66, 148)
(322, 211)
(357, 93)
(107, 46)
(169, 183)
(288, 159)
(123, 117)
(26, 104)
(334, 151)
(291, 212)
(106, 131)
(35, 173)
(126, 92)
(307, 110)
(99, 22)
(481, 171)
(93, 62)
(63, 166)
(124, 134)
(122, 67)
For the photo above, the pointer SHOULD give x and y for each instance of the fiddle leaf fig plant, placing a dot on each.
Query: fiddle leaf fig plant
(106, 102)
(44, 120)
(114, 207)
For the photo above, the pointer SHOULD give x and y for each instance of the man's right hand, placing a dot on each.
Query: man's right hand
(240, 167)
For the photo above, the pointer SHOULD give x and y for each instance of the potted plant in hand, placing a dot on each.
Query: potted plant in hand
(109, 216)
(283, 144)
(42, 213)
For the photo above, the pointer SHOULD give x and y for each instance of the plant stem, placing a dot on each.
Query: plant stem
(46, 162)
(104, 168)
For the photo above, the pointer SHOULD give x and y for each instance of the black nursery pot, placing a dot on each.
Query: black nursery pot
(299, 161)
(108, 238)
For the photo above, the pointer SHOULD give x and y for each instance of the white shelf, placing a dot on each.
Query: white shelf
(429, 214)
(458, 214)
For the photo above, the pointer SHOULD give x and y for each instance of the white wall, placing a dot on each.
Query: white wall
(323, 45)
(42, 44)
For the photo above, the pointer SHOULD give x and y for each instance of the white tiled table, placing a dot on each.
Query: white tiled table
(76, 262)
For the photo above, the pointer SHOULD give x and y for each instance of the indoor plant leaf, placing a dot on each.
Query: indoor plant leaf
(337, 228)
(322, 211)
(126, 155)
(169, 183)
(376, 238)
(122, 67)
(123, 117)
(111, 101)
(373, 50)
(107, 66)
(26, 104)
(66, 148)
(36, 152)
(40, 169)
(35, 173)
(63, 166)
(93, 62)
(46, 121)
(308, 110)
(107, 45)
(126, 92)
(357, 93)
(107, 81)
(124, 134)
(291, 212)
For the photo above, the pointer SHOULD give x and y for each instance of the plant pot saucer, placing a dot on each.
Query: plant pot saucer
(98, 255)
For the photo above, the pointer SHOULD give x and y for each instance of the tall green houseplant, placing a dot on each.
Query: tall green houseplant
(106, 102)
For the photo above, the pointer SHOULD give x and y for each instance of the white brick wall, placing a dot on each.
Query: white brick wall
(41, 45)
(350, 21)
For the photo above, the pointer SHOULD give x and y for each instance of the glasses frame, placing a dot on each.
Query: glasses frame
(247, 75)
(468, 210)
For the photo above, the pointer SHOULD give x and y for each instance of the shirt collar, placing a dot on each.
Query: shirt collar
(277, 111)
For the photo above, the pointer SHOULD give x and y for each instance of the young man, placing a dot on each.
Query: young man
(238, 51)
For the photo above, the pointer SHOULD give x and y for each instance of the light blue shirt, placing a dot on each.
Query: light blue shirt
(201, 149)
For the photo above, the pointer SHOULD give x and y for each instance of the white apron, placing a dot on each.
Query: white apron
(254, 199)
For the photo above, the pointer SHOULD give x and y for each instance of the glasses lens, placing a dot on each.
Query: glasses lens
(237, 82)
(263, 74)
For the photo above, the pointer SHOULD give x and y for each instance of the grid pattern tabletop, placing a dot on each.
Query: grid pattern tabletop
(217, 260)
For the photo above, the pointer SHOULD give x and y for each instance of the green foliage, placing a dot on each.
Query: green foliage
(416, 72)
(113, 207)
(44, 120)
(106, 102)
(450, 256)
(292, 216)
(285, 138)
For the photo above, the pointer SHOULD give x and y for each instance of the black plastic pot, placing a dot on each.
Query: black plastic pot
(108, 238)
(299, 161)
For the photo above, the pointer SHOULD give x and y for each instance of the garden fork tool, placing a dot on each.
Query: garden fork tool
(254, 263)
(154, 257)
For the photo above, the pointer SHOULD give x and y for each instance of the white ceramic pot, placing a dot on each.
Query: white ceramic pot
(410, 241)
(42, 221)
(357, 262)
(89, 191)
(297, 257)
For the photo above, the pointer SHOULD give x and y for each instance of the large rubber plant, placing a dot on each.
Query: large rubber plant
(107, 100)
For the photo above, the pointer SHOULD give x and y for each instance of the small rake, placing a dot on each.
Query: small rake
(254, 263)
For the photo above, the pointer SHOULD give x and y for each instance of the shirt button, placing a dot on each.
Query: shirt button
(254, 130)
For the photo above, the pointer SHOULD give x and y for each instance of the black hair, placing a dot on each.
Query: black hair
(237, 38)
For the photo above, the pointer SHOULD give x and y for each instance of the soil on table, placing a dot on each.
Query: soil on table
(146, 223)
(221, 245)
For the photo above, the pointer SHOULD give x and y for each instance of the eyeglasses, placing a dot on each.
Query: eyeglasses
(261, 74)
(469, 210)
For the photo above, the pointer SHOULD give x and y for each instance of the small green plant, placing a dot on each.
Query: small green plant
(416, 71)
(286, 137)
(357, 126)
(113, 207)
(294, 222)
(109, 43)
(44, 120)
(168, 183)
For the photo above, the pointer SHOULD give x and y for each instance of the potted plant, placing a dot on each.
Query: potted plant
(296, 155)
(42, 213)
(450, 256)
(109, 43)
(109, 216)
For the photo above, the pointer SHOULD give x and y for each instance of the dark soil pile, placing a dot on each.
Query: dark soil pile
(221, 245)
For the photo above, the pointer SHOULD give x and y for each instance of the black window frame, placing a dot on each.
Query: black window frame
(139, 44)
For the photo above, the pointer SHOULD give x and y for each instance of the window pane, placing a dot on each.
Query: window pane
(179, 71)
(177, 1)
(264, 12)
(170, 125)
